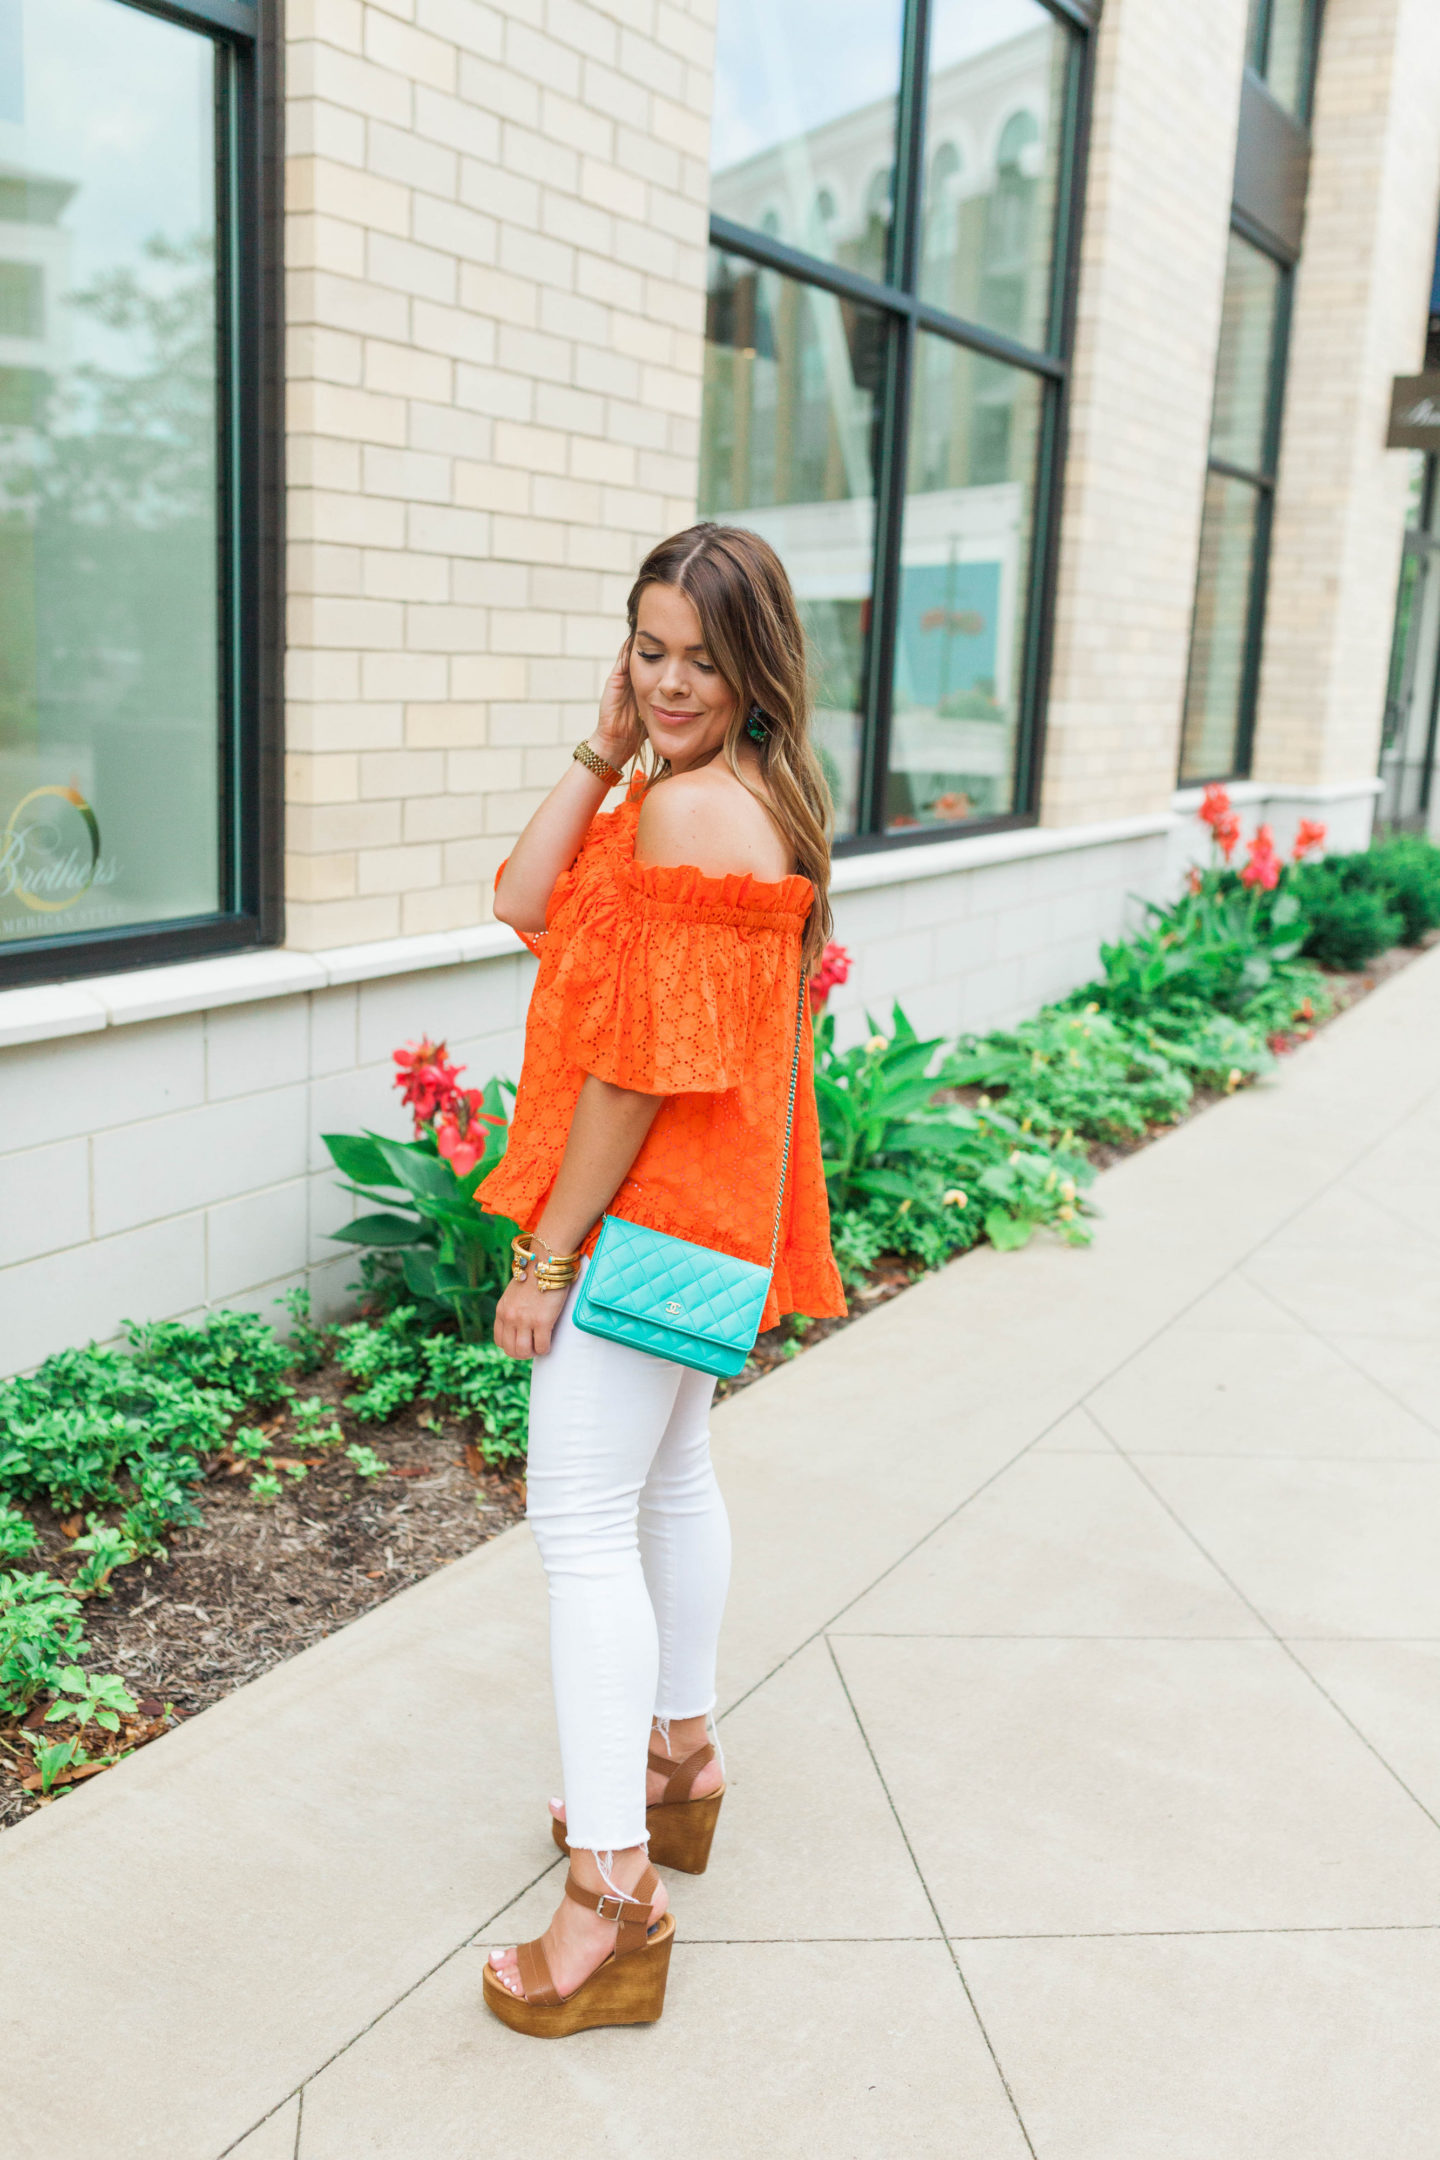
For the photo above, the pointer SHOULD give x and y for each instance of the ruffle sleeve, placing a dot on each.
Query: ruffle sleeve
(661, 979)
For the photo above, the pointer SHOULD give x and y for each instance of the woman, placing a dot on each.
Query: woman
(673, 935)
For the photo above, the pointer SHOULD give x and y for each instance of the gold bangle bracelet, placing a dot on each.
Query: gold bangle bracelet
(593, 762)
(553, 1271)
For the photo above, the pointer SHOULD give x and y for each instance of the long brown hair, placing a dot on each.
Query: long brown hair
(737, 585)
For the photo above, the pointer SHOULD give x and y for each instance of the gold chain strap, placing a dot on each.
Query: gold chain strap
(789, 1119)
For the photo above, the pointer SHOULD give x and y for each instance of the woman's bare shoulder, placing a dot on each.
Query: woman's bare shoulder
(708, 820)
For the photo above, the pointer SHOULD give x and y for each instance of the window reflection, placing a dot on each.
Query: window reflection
(786, 448)
(995, 105)
(1220, 638)
(109, 720)
(802, 141)
(1243, 370)
(964, 580)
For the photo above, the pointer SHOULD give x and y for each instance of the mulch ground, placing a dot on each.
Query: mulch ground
(255, 1584)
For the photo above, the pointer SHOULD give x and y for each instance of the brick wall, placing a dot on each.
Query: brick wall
(1167, 99)
(1361, 293)
(495, 256)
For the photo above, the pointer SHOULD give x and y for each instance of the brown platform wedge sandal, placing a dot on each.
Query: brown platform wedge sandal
(680, 1829)
(627, 1989)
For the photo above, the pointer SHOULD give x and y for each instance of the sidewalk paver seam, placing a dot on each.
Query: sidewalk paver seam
(1339, 1350)
(1279, 1639)
(960, 1973)
(466, 1943)
(1355, 1927)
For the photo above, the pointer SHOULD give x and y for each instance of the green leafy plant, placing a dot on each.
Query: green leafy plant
(1075, 1073)
(266, 1487)
(910, 1174)
(98, 1698)
(107, 1548)
(309, 1344)
(453, 1256)
(40, 1633)
(368, 1464)
(18, 1535)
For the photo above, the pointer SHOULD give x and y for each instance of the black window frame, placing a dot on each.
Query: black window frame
(250, 558)
(897, 299)
(1268, 211)
(1261, 478)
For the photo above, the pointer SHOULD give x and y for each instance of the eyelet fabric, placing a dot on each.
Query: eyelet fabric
(672, 983)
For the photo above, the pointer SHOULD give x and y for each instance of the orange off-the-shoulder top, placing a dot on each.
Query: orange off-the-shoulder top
(677, 984)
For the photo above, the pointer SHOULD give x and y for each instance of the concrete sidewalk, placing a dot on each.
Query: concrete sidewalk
(1082, 1693)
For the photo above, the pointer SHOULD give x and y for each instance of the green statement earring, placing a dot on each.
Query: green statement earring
(755, 726)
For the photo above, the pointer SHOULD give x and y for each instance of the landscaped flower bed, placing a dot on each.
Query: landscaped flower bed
(181, 1512)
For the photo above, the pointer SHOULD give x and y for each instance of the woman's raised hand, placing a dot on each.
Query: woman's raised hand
(525, 1317)
(618, 734)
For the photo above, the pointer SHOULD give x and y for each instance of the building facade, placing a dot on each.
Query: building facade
(352, 352)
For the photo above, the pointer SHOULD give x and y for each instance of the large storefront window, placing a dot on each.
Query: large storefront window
(122, 705)
(892, 199)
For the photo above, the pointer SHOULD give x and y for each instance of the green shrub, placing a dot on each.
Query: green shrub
(928, 1177)
(400, 1361)
(1075, 1072)
(1407, 870)
(1346, 924)
(40, 1634)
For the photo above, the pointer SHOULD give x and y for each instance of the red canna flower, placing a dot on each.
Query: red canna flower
(834, 968)
(460, 1135)
(1215, 808)
(426, 1080)
(1227, 833)
(1311, 835)
(1263, 866)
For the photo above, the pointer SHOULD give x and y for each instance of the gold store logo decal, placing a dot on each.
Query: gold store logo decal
(62, 870)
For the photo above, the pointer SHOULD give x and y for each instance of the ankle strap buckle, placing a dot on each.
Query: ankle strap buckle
(618, 1902)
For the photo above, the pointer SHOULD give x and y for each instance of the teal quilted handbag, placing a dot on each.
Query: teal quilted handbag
(680, 1301)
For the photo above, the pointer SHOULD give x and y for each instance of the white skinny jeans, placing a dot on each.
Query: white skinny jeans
(636, 1544)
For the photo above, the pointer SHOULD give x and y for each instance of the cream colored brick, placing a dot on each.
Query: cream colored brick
(405, 371)
(319, 408)
(345, 304)
(443, 531)
(578, 127)
(412, 475)
(498, 90)
(451, 816)
(535, 449)
(449, 431)
(486, 186)
(401, 154)
(507, 299)
(321, 779)
(396, 870)
(466, 23)
(326, 355)
(311, 927)
(453, 331)
(319, 71)
(409, 268)
(479, 859)
(348, 625)
(401, 773)
(349, 726)
(411, 54)
(448, 629)
(329, 828)
(338, 191)
(612, 189)
(448, 907)
(319, 568)
(403, 677)
(491, 487)
(490, 675)
(396, 574)
(314, 128)
(324, 243)
(584, 29)
(445, 727)
(463, 233)
(477, 773)
(355, 519)
(336, 22)
(319, 877)
(542, 59)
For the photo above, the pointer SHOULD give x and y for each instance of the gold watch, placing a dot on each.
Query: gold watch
(593, 762)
